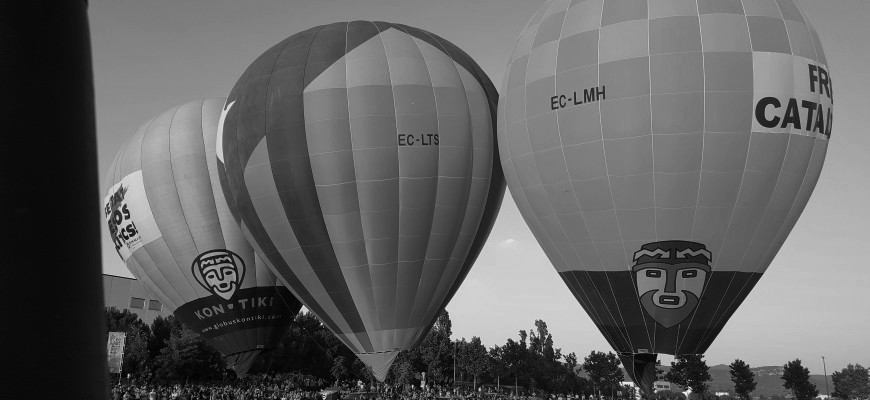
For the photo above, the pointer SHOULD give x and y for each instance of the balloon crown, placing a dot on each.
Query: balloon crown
(673, 252)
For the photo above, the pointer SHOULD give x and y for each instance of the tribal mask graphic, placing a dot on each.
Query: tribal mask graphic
(220, 271)
(670, 277)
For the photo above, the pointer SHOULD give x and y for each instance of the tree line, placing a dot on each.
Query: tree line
(168, 351)
(691, 371)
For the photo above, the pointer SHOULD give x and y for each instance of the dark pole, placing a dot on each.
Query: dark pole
(51, 305)
(825, 369)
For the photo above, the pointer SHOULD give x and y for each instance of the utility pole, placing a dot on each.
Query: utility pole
(825, 369)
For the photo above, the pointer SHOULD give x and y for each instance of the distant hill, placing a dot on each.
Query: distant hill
(768, 379)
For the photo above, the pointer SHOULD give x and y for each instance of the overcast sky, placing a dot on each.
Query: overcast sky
(813, 301)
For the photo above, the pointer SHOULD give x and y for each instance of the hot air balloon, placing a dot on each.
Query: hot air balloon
(661, 152)
(361, 156)
(173, 228)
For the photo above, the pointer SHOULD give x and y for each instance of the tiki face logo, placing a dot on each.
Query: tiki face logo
(670, 277)
(219, 271)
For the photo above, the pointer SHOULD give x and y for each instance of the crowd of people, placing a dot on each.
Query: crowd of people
(292, 386)
(297, 386)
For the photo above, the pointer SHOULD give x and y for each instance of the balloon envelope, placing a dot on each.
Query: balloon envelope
(661, 152)
(171, 225)
(361, 158)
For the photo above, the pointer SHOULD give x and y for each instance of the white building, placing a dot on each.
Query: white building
(658, 386)
(130, 294)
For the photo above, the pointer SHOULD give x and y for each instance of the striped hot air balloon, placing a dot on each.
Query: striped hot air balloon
(661, 151)
(361, 157)
(173, 228)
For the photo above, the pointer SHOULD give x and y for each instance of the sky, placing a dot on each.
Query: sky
(813, 301)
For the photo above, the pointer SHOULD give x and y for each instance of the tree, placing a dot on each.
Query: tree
(136, 355)
(497, 365)
(743, 378)
(161, 328)
(403, 373)
(462, 357)
(362, 371)
(796, 378)
(436, 351)
(515, 357)
(603, 370)
(851, 383)
(628, 391)
(690, 370)
(545, 359)
(310, 348)
(121, 320)
(473, 358)
(338, 369)
(434, 356)
(541, 342)
(187, 356)
(569, 382)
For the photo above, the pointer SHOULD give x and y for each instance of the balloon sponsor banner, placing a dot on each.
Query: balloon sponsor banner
(807, 110)
(251, 308)
(128, 215)
(115, 351)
